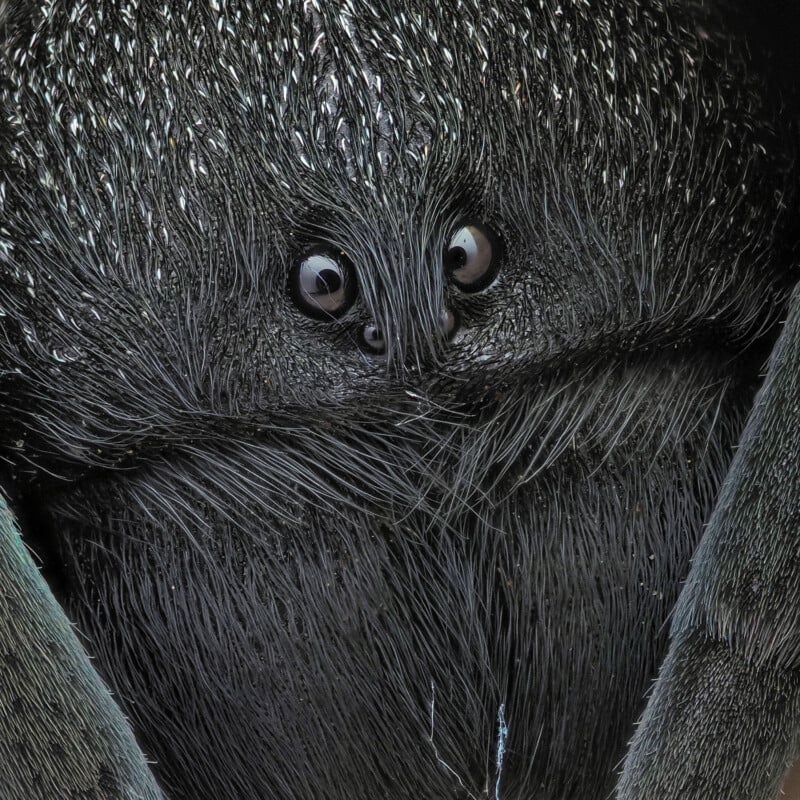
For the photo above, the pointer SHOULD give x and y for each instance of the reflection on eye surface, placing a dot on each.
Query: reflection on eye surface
(322, 283)
(471, 257)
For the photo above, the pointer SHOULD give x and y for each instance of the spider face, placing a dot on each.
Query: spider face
(386, 348)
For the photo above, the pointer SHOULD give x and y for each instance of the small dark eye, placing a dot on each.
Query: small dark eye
(322, 283)
(372, 340)
(471, 257)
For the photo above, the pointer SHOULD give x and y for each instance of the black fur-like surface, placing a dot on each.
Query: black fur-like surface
(732, 664)
(444, 573)
(62, 734)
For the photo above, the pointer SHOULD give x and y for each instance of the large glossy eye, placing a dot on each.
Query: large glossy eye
(472, 257)
(322, 283)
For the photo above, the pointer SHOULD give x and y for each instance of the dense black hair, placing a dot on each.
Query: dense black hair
(309, 571)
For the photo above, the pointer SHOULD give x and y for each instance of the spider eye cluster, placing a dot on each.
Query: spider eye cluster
(323, 284)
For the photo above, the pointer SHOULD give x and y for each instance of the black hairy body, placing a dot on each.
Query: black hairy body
(444, 572)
